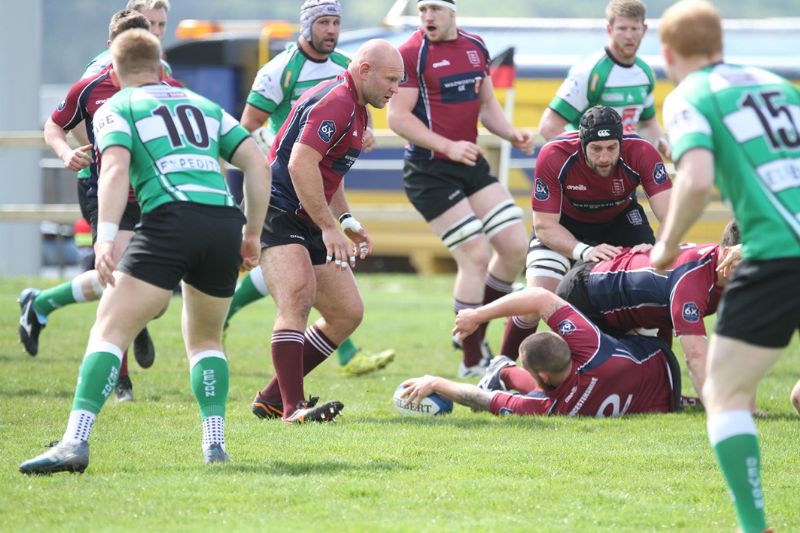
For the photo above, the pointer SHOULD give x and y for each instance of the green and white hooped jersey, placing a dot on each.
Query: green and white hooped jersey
(176, 138)
(749, 119)
(281, 82)
(599, 80)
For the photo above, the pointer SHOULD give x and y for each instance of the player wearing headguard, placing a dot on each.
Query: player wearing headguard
(584, 203)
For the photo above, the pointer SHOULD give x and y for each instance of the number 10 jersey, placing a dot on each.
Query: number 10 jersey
(176, 138)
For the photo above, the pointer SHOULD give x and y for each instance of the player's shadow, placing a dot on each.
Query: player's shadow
(305, 468)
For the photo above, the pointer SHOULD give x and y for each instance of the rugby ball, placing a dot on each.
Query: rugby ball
(432, 405)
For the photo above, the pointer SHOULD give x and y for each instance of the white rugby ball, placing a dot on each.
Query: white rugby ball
(432, 405)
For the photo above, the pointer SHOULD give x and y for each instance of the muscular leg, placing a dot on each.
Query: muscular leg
(292, 283)
(734, 370)
(461, 231)
(201, 322)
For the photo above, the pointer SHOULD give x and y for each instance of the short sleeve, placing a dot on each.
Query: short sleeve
(546, 193)
(111, 128)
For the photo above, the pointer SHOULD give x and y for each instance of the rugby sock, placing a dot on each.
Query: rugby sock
(210, 377)
(735, 441)
(471, 344)
(287, 358)
(518, 379)
(123, 368)
(517, 330)
(250, 288)
(346, 351)
(79, 426)
(97, 377)
(316, 349)
(494, 290)
(67, 293)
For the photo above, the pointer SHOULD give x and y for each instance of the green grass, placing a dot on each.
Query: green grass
(373, 469)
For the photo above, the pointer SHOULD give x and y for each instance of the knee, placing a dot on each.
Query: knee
(349, 315)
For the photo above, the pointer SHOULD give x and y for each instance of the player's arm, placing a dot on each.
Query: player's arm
(651, 131)
(56, 138)
(257, 186)
(463, 393)
(695, 348)
(307, 181)
(533, 301)
(404, 123)
(79, 132)
(494, 119)
(253, 120)
(112, 195)
(659, 203)
(548, 229)
(551, 124)
(690, 191)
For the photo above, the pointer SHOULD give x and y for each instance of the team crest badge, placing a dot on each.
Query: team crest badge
(691, 313)
(634, 217)
(541, 192)
(566, 327)
(474, 58)
(327, 130)
(660, 174)
(62, 105)
(617, 186)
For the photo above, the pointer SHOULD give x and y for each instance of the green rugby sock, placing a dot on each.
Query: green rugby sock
(346, 351)
(251, 288)
(97, 377)
(210, 377)
(54, 298)
(733, 436)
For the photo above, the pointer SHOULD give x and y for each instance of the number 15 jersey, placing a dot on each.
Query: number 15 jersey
(176, 138)
(749, 119)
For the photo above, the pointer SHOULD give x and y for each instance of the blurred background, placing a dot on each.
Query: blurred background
(47, 44)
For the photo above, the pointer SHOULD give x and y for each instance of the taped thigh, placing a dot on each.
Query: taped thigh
(462, 231)
(503, 215)
(544, 262)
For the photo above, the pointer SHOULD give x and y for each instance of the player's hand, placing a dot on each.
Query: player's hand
(417, 389)
(642, 248)
(523, 140)
(80, 157)
(338, 249)
(662, 256)
(104, 262)
(601, 252)
(368, 142)
(463, 152)
(250, 251)
(730, 261)
(362, 242)
(467, 321)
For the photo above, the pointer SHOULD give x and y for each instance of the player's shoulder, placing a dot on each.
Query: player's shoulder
(563, 145)
(588, 64)
(340, 57)
(473, 38)
(414, 41)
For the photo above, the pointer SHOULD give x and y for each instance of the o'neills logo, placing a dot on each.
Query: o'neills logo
(603, 133)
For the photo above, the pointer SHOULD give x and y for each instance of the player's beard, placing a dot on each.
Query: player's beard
(323, 45)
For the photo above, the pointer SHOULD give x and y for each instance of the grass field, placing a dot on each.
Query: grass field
(373, 470)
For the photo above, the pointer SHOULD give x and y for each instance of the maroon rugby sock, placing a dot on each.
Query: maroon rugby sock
(316, 349)
(287, 357)
(123, 368)
(494, 290)
(517, 330)
(471, 344)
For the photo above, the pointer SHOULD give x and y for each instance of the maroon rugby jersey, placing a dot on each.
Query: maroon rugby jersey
(329, 119)
(609, 377)
(563, 183)
(629, 293)
(449, 75)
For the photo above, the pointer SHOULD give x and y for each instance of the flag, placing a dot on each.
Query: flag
(502, 69)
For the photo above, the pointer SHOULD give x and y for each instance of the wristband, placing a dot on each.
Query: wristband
(580, 250)
(106, 231)
(349, 222)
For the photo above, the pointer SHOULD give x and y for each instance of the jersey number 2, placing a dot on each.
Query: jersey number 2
(194, 131)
